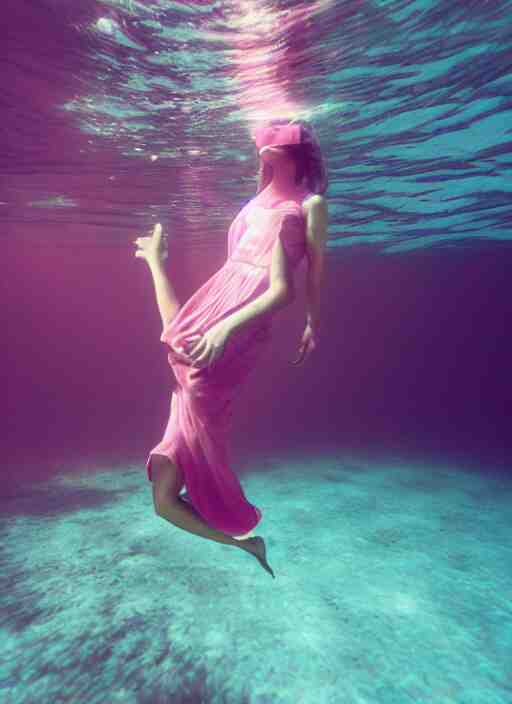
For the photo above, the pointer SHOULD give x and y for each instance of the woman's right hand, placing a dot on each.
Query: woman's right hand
(152, 249)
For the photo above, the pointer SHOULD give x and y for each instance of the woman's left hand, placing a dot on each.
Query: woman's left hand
(210, 346)
(307, 345)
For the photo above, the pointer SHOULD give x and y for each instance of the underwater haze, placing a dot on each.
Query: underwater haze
(381, 465)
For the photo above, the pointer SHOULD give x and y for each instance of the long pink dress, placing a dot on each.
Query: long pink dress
(196, 436)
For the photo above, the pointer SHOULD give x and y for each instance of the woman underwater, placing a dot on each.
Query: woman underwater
(216, 338)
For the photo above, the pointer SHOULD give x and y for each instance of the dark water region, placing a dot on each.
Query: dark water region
(112, 122)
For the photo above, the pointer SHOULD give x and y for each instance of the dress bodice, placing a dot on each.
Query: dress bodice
(253, 232)
(244, 275)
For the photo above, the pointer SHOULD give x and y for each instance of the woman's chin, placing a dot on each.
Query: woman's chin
(270, 157)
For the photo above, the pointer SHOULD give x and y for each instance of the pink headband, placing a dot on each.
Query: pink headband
(276, 136)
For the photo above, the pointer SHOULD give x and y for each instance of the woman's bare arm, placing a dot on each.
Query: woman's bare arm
(316, 238)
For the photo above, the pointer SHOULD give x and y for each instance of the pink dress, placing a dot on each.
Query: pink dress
(196, 436)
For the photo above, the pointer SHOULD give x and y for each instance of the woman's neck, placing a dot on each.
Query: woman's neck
(281, 190)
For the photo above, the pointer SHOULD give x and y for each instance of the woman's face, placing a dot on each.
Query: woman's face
(271, 154)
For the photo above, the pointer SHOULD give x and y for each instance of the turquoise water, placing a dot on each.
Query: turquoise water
(411, 102)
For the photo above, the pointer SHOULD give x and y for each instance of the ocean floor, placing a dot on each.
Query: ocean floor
(393, 585)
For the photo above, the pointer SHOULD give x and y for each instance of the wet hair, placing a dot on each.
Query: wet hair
(309, 160)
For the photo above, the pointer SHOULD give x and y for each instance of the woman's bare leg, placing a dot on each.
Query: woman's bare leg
(153, 250)
(167, 482)
(183, 515)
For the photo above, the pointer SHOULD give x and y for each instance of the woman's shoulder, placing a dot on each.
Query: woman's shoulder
(313, 200)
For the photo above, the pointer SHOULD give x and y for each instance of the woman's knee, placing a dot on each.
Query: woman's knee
(167, 481)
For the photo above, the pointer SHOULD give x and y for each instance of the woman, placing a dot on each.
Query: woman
(216, 338)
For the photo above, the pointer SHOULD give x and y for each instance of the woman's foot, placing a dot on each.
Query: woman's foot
(184, 495)
(153, 248)
(256, 546)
